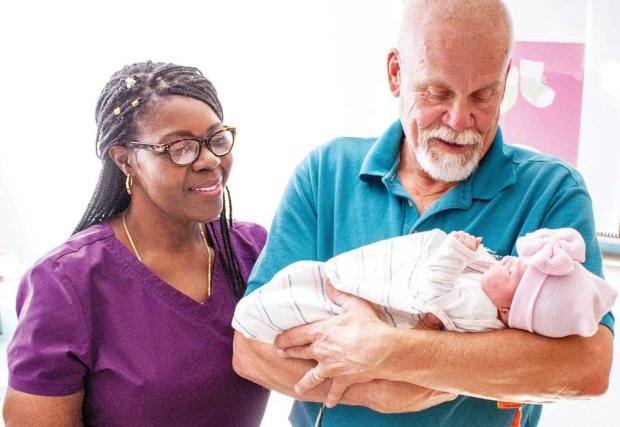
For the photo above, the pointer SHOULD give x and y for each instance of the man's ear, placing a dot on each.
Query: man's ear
(508, 69)
(393, 69)
(506, 76)
(121, 155)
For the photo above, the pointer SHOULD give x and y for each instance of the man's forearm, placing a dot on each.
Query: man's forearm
(260, 363)
(507, 364)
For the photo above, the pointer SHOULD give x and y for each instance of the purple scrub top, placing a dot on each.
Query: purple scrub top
(94, 318)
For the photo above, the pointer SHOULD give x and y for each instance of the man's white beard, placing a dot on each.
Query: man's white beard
(447, 167)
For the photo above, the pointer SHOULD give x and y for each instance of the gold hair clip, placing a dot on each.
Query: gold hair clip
(135, 103)
(130, 82)
(117, 111)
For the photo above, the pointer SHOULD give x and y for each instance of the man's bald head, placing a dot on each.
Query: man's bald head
(487, 24)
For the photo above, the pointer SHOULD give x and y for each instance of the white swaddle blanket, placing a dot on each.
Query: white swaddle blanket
(404, 277)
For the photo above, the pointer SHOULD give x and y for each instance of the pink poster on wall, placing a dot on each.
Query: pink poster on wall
(542, 104)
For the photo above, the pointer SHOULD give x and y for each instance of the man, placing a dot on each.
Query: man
(442, 165)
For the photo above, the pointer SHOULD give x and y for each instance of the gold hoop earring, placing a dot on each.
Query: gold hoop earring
(128, 184)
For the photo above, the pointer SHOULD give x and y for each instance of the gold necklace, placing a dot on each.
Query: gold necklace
(130, 239)
(204, 240)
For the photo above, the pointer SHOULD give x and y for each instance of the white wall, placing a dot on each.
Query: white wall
(291, 75)
(595, 23)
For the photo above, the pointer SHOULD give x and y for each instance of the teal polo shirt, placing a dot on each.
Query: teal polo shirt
(347, 194)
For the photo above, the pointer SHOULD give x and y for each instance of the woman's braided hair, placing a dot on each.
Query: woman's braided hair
(129, 94)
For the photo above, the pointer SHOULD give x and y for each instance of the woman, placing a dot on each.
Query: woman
(128, 322)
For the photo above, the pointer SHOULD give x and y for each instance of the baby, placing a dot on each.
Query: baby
(545, 290)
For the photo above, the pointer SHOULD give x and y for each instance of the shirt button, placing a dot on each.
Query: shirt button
(410, 203)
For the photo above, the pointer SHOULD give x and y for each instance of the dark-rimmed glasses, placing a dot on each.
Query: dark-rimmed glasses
(185, 151)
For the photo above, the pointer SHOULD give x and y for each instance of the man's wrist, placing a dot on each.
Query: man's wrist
(408, 351)
(397, 350)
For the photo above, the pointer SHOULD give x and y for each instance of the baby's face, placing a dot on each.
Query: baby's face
(500, 283)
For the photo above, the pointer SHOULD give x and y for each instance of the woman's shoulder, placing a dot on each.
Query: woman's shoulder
(248, 235)
(83, 241)
(80, 251)
(249, 229)
(65, 271)
(246, 238)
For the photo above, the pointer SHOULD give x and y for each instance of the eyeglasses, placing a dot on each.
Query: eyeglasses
(185, 151)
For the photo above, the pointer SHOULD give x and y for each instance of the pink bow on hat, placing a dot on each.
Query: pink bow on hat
(552, 252)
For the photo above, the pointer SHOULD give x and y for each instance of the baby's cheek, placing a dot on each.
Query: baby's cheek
(498, 287)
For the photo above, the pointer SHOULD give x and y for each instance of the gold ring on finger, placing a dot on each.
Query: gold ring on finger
(316, 377)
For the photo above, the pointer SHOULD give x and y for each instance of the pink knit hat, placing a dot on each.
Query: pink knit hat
(557, 296)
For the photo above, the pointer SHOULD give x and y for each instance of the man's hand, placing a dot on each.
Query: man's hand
(469, 241)
(348, 347)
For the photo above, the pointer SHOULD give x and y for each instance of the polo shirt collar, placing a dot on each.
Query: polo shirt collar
(496, 170)
(383, 154)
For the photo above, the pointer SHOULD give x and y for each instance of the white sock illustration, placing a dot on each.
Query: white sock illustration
(512, 90)
(532, 88)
